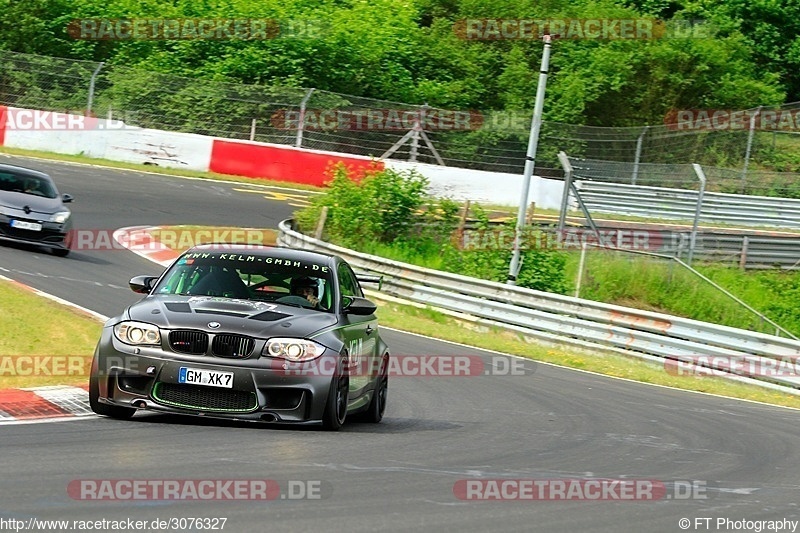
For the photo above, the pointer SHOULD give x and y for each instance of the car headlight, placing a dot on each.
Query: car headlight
(60, 217)
(292, 349)
(137, 333)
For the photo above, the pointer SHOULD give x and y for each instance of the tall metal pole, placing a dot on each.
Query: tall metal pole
(530, 160)
(638, 156)
(749, 147)
(302, 119)
(701, 176)
(90, 100)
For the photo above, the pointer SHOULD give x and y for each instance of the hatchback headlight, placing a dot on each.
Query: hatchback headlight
(292, 349)
(137, 333)
(60, 217)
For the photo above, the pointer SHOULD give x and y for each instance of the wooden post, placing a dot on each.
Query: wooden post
(743, 256)
(457, 238)
(531, 210)
(321, 223)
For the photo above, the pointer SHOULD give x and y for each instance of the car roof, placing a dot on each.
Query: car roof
(24, 171)
(275, 251)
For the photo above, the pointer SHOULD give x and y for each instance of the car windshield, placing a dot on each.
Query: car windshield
(250, 276)
(27, 184)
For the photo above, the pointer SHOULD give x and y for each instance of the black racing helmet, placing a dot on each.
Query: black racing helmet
(304, 282)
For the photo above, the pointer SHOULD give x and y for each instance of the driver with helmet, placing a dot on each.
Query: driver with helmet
(305, 287)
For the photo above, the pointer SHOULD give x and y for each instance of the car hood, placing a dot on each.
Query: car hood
(16, 201)
(246, 317)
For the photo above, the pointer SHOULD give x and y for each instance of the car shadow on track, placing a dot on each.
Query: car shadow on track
(44, 250)
(387, 426)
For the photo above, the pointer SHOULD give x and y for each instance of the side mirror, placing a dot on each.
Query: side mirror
(355, 305)
(66, 198)
(142, 284)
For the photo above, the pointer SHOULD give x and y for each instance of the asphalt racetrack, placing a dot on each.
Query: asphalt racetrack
(446, 442)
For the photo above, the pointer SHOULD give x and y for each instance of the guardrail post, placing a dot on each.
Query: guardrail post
(743, 257)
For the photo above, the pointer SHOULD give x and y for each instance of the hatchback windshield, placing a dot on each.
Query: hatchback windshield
(251, 277)
(26, 184)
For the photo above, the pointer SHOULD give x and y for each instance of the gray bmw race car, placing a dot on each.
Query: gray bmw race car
(245, 332)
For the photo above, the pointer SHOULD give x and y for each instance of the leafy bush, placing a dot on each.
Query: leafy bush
(540, 269)
(389, 214)
(380, 207)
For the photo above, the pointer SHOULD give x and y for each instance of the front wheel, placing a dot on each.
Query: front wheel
(114, 411)
(336, 406)
(63, 251)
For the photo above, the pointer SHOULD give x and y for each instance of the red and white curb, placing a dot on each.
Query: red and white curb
(138, 240)
(60, 402)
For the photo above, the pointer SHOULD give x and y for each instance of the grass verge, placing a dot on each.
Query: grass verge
(43, 342)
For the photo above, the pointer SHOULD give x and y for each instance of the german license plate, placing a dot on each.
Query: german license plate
(22, 224)
(209, 378)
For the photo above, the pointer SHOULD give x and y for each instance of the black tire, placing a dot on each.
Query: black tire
(377, 406)
(63, 252)
(336, 406)
(114, 411)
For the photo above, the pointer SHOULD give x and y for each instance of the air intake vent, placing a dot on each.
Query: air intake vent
(205, 398)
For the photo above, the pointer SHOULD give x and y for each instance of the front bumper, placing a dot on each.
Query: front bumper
(52, 234)
(262, 389)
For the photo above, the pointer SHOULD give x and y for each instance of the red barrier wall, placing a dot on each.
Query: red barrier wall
(281, 163)
(3, 115)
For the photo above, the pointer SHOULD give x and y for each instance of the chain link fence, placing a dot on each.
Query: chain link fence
(322, 120)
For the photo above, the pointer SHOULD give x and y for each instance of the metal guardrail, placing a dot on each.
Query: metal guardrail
(680, 204)
(556, 318)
